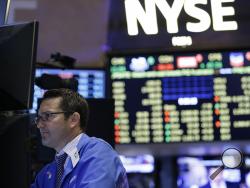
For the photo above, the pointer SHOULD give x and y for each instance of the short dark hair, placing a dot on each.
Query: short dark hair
(71, 102)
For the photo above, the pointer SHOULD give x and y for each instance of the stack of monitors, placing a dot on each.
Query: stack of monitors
(91, 82)
(196, 171)
(181, 97)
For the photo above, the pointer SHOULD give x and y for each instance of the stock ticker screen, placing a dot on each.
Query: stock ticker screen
(91, 82)
(181, 97)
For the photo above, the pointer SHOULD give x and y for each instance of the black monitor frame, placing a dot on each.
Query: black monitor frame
(18, 47)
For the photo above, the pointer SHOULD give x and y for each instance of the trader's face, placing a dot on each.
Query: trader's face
(54, 128)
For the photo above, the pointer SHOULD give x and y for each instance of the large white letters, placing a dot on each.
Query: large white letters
(199, 14)
(147, 19)
(170, 14)
(218, 12)
(136, 13)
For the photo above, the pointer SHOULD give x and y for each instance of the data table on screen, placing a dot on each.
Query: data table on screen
(181, 97)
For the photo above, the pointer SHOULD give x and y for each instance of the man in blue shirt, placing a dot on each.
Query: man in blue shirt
(81, 161)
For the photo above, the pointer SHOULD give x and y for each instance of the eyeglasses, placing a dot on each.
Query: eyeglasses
(47, 116)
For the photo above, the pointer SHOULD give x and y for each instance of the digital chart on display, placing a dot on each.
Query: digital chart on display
(181, 97)
(91, 83)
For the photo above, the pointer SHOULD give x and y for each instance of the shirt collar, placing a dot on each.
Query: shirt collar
(71, 150)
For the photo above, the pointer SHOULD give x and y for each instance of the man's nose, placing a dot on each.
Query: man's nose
(40, 124)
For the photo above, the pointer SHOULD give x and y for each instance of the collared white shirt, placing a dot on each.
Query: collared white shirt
(71, 150)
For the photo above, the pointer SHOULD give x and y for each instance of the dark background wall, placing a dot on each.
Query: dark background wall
(77, 28)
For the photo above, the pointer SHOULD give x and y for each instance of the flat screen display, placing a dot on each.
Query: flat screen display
(18, 44)
(138, 163)
(185, 97)
(91, 82)
(195, 172)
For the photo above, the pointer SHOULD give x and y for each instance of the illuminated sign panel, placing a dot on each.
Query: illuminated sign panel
(178, 24)
(148, 18)
(181, 97)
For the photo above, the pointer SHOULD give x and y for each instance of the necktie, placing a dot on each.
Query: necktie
(60, 160)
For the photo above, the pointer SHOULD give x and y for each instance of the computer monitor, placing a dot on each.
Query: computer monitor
(139, 163)
(91, 82)
(140, 170)
(164, 99)
(195, 172)
(18, 45)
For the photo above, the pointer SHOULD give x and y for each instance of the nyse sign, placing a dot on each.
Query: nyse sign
(179, 25)
(135, 13)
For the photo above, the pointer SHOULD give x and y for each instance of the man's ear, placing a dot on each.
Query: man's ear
(75, 119)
